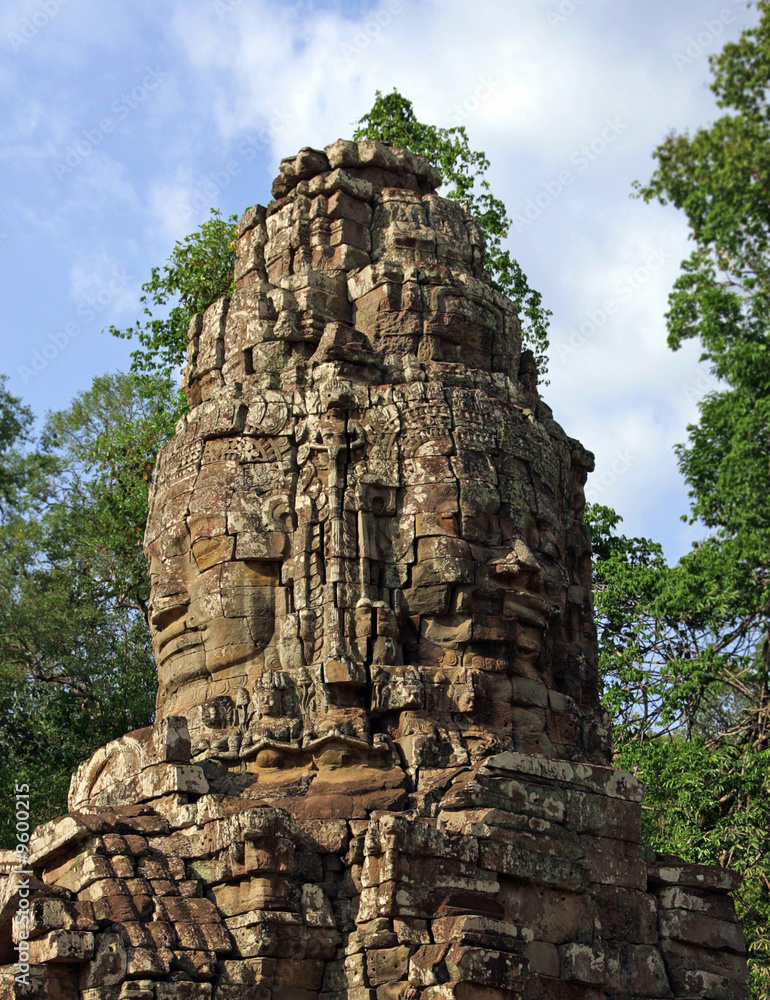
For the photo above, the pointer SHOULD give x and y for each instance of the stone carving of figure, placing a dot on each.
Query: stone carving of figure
(370, 584)
(344, 535)
(243, 707)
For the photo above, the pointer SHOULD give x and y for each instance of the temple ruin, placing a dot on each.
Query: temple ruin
(379, 769)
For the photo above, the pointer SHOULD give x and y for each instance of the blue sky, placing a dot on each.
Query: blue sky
(123, 122)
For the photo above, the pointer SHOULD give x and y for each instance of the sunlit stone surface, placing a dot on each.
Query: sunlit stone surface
(379, 769)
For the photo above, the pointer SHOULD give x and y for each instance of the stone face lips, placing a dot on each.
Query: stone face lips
(379, 767)
(367, 530)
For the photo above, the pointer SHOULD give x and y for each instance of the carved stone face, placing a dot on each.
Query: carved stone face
(401, 530)
(365, 526)
(214, 564)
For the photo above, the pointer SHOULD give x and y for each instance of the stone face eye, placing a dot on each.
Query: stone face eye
(379, 768)
(358, 490)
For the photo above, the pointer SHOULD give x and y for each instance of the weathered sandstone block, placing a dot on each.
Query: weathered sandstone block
(380, 767)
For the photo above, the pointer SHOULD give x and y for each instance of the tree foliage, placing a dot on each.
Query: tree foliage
(708, 801)
(76, 666)
(685, 682)
(106, 443)
(719, 178)
(392, 119)
(711, 776)
(685, 679)
(20, 473)
(199, 270)
(674, 657)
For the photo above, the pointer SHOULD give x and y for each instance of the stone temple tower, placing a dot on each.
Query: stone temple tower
(379, 768)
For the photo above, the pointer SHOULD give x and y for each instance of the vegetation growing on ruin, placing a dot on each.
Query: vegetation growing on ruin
(685, 649)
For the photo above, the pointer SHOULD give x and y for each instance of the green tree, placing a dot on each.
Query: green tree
(76, 665)
(718, 177)
(106, 444)
(199, 271)
(681, 682)
(672, 658)
(21, 473)
(392, 119)
(708, 800)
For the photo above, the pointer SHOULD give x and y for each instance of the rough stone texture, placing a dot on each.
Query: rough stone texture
(380, 770)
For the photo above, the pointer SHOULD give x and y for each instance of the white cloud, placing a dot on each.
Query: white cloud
(555, 87)
(171, 208)
(32, 129)
(102, 278)
(253, 80)
(542, 97)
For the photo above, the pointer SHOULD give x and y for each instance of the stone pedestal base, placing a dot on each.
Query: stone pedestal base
(521, 877)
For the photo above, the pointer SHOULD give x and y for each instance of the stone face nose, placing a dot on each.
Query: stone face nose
(379, 768)
(355, 479)
(517, 563)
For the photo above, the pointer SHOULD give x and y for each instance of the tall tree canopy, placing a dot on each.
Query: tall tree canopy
(719, 178)
(76, 666)
(686, 649)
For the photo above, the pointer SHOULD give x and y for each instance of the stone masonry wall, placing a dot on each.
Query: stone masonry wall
(380, 769)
